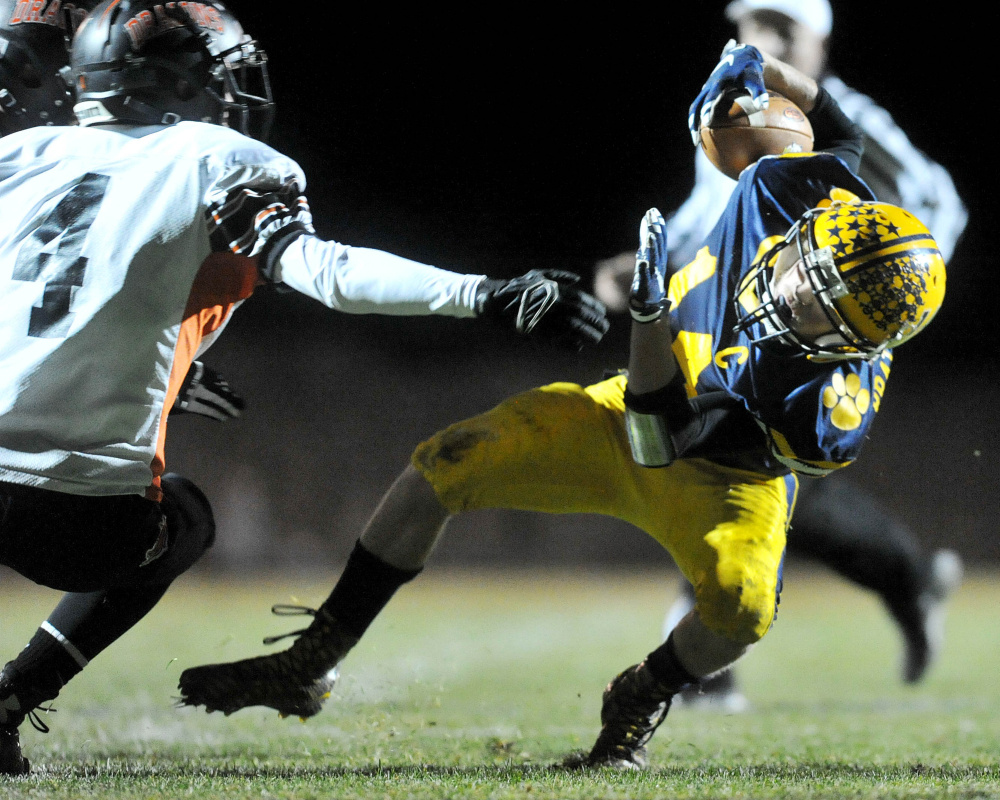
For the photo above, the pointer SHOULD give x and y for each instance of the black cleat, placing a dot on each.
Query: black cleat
(634, 706)
(12, 714)
(922, 621)
(294, 682)
(11, 760)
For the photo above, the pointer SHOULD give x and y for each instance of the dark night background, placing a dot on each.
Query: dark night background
(507, 139)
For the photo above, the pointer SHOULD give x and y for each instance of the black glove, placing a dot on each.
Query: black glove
(544, 304)
(206, 392)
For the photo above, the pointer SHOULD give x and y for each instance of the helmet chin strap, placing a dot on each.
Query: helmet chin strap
(151, 115)
(94, 112)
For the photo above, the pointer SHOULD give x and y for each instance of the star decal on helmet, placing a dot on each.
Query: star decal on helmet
(892, 295)
(857, 226)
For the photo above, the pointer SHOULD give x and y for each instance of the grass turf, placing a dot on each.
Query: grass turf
(475, 685)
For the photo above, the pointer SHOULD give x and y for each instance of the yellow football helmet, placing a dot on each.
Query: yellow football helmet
(875, 268)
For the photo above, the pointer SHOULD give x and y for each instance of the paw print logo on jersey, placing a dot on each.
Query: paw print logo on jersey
(847, 400)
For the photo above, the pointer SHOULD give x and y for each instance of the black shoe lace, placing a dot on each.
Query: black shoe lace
(36, 720)
(286, 610)
(635, 720)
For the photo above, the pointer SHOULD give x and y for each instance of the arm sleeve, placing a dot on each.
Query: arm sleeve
(833, 131)
(898, 172)
(360, 280)
(274, 225)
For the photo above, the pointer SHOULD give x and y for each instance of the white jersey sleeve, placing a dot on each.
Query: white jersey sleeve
(898, 172)
(267, 216)
(123, 254)
(360, 280)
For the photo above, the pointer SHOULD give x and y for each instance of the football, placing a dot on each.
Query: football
(734, 139)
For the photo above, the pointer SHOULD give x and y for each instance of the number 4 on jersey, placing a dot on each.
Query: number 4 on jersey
(63, 269)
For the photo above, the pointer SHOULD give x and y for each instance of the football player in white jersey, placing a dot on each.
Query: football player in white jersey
(126, 244)
(34, 90)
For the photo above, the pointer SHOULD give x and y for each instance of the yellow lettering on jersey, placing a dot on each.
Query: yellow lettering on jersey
(698, 270)
(694, 353)
(741, 354)
(781, 447)
(878, 384)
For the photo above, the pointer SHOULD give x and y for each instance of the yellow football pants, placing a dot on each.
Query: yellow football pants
(563, 448)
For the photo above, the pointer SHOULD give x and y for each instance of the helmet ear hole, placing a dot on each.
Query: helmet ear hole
(184, 90)
(30, 76)
(193, 44)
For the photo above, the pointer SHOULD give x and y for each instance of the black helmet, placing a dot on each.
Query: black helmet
(34, 56)
(149, 62)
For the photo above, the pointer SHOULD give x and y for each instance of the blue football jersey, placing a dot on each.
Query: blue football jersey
(791, 412)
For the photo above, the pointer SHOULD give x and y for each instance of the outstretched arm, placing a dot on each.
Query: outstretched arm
(543, 304)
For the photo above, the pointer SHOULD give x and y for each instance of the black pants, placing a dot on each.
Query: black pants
(851, 532)
(77, 543)
(114, 556)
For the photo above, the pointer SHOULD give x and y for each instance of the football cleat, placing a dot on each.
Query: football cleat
(635, 704)
(294, 682)
(11, 760)
(16, 705)
(922, 622)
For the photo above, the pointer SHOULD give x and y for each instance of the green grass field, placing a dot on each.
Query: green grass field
(475, 685)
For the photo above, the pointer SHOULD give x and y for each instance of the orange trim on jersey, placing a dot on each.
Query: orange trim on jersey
(222, 281)
(108, 9)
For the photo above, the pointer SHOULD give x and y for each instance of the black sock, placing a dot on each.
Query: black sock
(91, 621)
(43, 667)
(365, 587)
(667, 668)
(80, 627)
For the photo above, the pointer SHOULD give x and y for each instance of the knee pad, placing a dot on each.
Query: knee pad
(190, 523)
(740, 606)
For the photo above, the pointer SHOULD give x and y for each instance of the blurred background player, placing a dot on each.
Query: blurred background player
(784, 334)
(836, 523)
(126, 244)
(34, 88)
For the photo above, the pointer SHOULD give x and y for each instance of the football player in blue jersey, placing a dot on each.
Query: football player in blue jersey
(127, 243)
(764, 359)
(838, 523)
